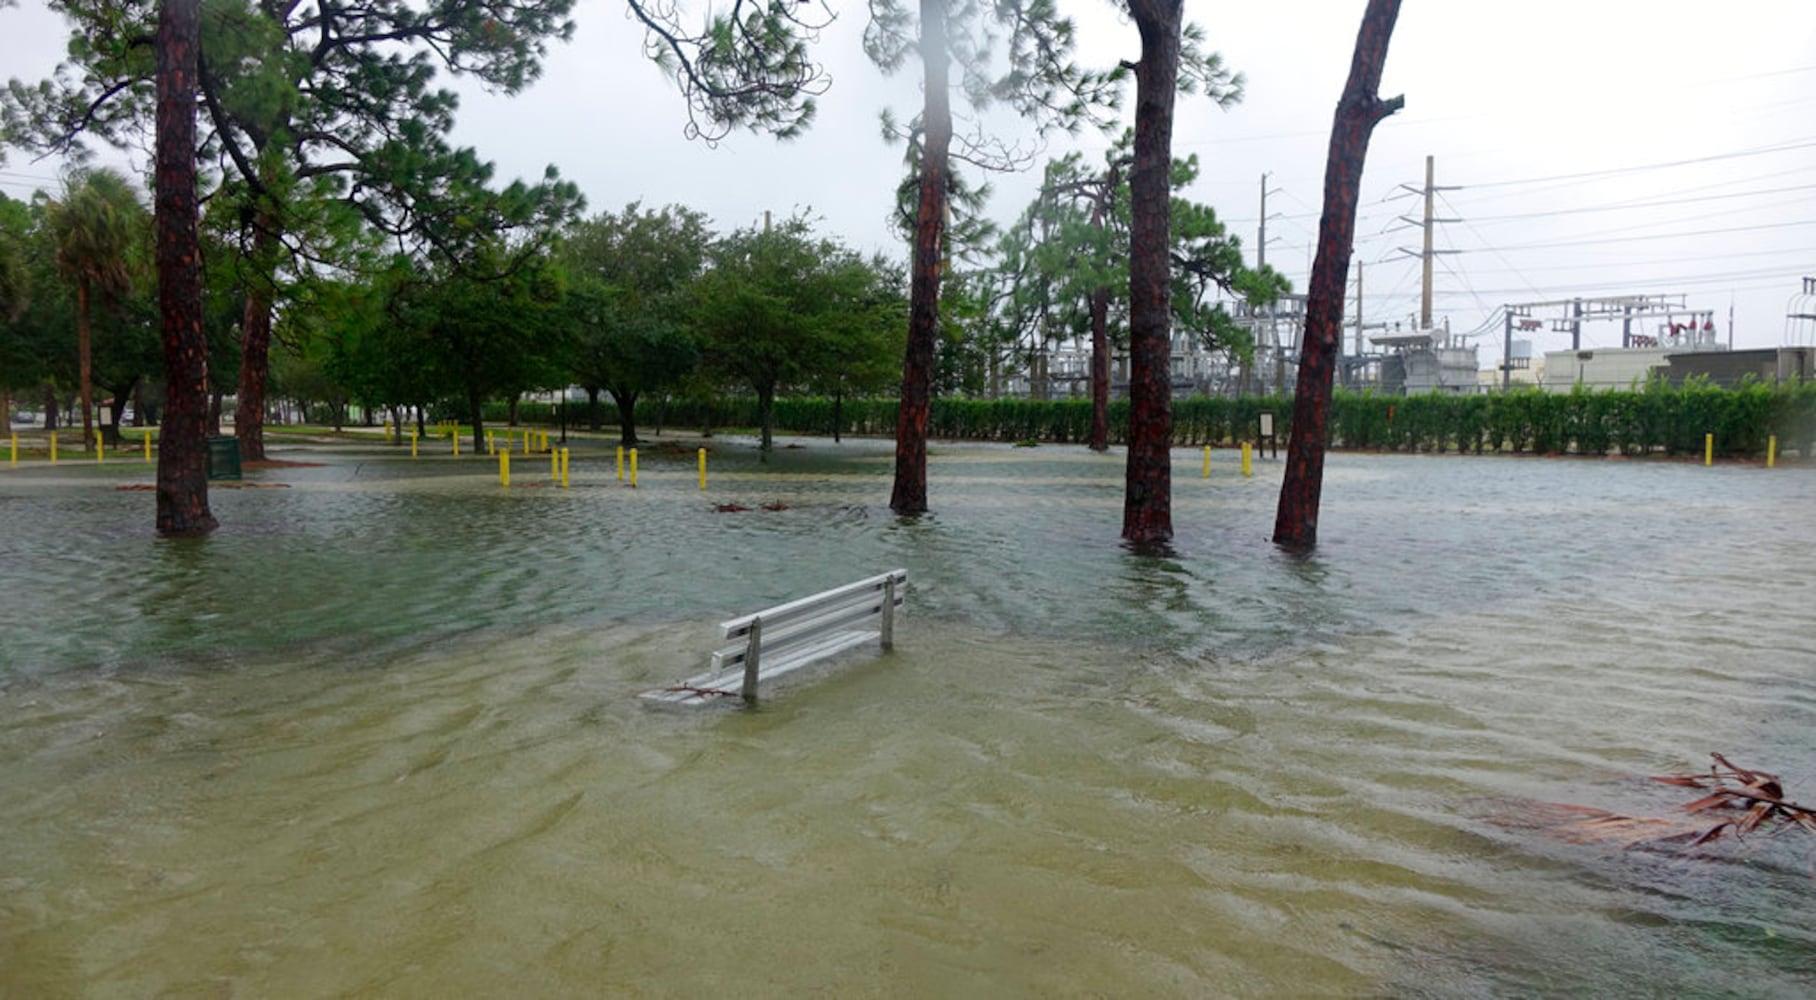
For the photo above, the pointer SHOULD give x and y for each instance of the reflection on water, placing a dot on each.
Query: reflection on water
(378, 735)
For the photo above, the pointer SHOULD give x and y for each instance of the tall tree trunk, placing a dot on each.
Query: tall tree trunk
(255, 347)
(910, 493)
(592, 408)
(85, 369)
(116, 409)
(479, 423)
(1147, 506)
(766, 406)
(1359, 110)
(626, 402)
(50, 407)
(183, 452)
(838, 413)
(1100, 370)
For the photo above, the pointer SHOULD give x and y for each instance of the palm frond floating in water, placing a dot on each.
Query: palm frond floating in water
(1740, 801)
(1757, 798)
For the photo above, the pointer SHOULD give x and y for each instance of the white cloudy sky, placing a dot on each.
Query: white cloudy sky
(1599, 147)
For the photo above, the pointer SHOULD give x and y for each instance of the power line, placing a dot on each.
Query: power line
(1665, 203)
(1660, 236)
(1795, 144)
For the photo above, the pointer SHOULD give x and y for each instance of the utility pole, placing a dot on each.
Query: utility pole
(1427, 253)
(1358, 308)
(1273, 327)
(1425, 285)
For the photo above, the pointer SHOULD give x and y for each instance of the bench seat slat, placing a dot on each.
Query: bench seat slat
(717, 683)
(795, 635)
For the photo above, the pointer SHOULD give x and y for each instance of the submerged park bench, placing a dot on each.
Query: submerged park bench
(765, 645)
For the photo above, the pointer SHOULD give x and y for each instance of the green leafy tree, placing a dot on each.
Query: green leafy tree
(319, 114)
(16, 362)
(489, 322)
(751, 66)
(99, 229)
(779, 308)
(630, 279)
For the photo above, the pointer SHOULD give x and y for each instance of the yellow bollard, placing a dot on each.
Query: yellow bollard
(1207, 461)
(53, 447)
(1708, 449)
(526, 440)
(545, 443)
(564, 468)
(15, 449)
(1771, 451)
(554, 467)
(491, 448)
(1248, 459)
(633, 468)
(620, 463)
(504, 467)
(413, 443)
(100, 447)
(147, 446)
(454, 436)
(702, 468)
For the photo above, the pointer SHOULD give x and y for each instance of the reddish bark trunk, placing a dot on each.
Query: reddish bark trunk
(85, 370)
(1100, 321)
(182, 455)
(1100, 370)
(1147, 506)
(1296, 517)
(255, 347)
(910, 493)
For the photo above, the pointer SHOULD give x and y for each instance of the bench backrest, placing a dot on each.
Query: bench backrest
(798, 625)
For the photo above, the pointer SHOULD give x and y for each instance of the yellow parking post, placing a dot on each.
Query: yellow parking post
(53, 447)
(147, 446)
(1207, 461)
(100, 447)
(702, 468)
(1771, 451)
(620, 463)
(633, 468)
(564, 468)
(1708, 449)
(504, 467)
(1248, 459)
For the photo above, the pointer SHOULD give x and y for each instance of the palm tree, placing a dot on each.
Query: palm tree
(94, 229)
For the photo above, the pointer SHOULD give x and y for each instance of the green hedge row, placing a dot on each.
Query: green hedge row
(1656, 418)
(1584, 422)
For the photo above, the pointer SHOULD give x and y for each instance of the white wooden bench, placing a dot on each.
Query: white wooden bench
(775, 641)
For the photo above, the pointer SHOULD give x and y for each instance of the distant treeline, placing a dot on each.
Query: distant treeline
(1658, 418)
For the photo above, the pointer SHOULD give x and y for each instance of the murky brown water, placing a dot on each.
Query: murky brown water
(378, 737)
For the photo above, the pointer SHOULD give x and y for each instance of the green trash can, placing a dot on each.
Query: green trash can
(223, 458)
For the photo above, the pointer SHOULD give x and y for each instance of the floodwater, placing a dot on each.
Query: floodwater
(378, 736)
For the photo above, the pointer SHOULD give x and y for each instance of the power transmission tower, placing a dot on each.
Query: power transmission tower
(1427, 253)
(1273, 328)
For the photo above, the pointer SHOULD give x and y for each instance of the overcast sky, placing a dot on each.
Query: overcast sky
(1598, 147)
